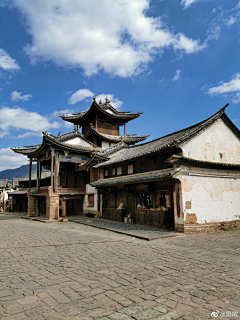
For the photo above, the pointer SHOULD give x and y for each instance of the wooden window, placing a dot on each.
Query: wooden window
(106, 173)
(113, 171)
(91, 200)
(119, 171)
(94, 175)
(130, 168)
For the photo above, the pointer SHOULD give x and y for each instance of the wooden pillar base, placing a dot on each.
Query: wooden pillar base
(32, 210)
(52, 207)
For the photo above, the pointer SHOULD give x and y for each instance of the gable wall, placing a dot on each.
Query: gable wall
(78, 142)
(216, 144)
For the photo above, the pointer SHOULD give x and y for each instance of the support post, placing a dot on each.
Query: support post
(38, 182)
(40, 174)
(30, 173)
(56, 177)
(64, 210)
(52, 159)
(96, 122)
(124, 129)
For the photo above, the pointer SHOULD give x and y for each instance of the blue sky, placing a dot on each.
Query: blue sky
(177, 61)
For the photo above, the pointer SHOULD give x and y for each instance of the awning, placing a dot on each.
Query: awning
(136, 178)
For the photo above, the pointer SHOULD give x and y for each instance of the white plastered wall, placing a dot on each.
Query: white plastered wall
(210, 199)
(78, 142)
(90, 190)
(105, 144)
(217, 144)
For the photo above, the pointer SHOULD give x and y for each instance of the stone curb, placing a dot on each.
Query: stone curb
(128, 233)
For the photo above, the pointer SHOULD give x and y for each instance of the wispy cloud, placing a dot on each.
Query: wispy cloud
(231, 87)
(15, 96)
(118, 36)
(55, 115)
(231, 20)
(227, 17)
(177, 75)
(80, 95)
(16, 118)
(11, 160)
(83, 94)
(188, 3)
(7, 63)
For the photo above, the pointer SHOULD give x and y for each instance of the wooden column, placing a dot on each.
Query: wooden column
(64, 210)
(38, 182)
(30, 173)
(52, 159)
(40, 174)
(124, 129)
(96, 122)
(56, 177)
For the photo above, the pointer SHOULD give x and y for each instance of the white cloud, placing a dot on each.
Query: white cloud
(80, 95)
(56, 114)
(232, 87)
(213, 33)
(20, 119)
(11, 160)
(15, 96)
(114, 36)
(7, 63)
(113, 101)
(187, 3)
(231, 20)
(177, 75)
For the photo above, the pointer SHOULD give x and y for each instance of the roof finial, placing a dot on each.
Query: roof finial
(94, 98)
(59, 134)
(76, 128)
(100, 101)
(106, 99)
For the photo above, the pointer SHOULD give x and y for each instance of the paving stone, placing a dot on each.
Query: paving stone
(148, 314)
(73, 271)
(119, 316)
(169, 316)
(160, 309)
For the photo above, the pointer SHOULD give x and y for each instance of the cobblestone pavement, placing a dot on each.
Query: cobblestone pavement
(126, 228)
(73, 271)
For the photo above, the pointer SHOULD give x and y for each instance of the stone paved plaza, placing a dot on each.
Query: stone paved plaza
(74, 271)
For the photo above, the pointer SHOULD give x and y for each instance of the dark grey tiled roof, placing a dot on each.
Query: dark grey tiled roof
(112, 150)
(102, 107)
(18, 192)
(136, 178)
(127, 139)
(61, 142)
(173, 139)
(44, 175)
(69, 136)
(176, 159)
